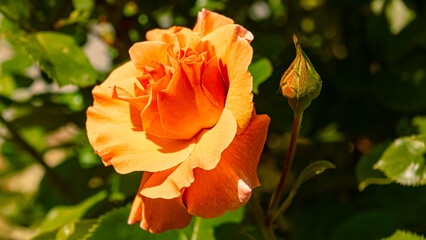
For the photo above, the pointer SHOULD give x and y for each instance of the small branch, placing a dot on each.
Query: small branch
(53, 178)
(24, 26)
(286, 169)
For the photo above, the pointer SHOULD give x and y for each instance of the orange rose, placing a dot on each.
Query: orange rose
(181, 111)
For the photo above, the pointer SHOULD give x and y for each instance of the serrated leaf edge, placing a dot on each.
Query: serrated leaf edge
(100, 219)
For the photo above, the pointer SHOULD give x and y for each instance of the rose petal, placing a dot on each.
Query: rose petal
(235, 54)
(158, 215)
(184, 107)
(143, 52)
(110, 131)
(214, 90)
(208, 21)
(150, 116)
(210, 144)
(228, 186)
(135, 107)
(184, 36)
(136, 210)
(138, 102)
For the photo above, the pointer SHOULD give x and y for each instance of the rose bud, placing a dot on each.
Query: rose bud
(300, 84)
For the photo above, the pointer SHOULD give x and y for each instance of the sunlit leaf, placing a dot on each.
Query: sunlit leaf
(61, 215)
(261, 70)
(65, 231)
(60, 57)
(365, 173)
(312, 170)
(373, 181)
(70, 231)
(404, 235)
(404, 161)
(16, 64)
(309, 172)
(7, 85)
(35, 137)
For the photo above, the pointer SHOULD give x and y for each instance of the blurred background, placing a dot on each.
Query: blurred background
(371, 56)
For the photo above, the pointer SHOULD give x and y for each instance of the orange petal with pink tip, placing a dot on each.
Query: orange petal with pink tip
(208, 21)
(184, 36)
(228, 186)
(232, 47)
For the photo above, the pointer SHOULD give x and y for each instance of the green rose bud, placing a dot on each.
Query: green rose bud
(300, 84)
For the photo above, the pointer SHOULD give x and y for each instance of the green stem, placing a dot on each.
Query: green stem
(195, 229)
(286, 169)
(259, 215)
(53, 178)
(284, 205)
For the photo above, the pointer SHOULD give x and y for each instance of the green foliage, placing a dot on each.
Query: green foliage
(69, 231)
(309, 172)
(261, 70)
(62, 215)
(61, 58)
(84, 5)
(366, 174)
(209, 228)
(113, 225)
(16, 10)
(403, 161)
(81, 14)
(17, 64)
(420, 123)
(404, 235)
(366, 225)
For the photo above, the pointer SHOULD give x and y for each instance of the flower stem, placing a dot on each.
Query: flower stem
(259, 214)
(286, 169)
(196, 228)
